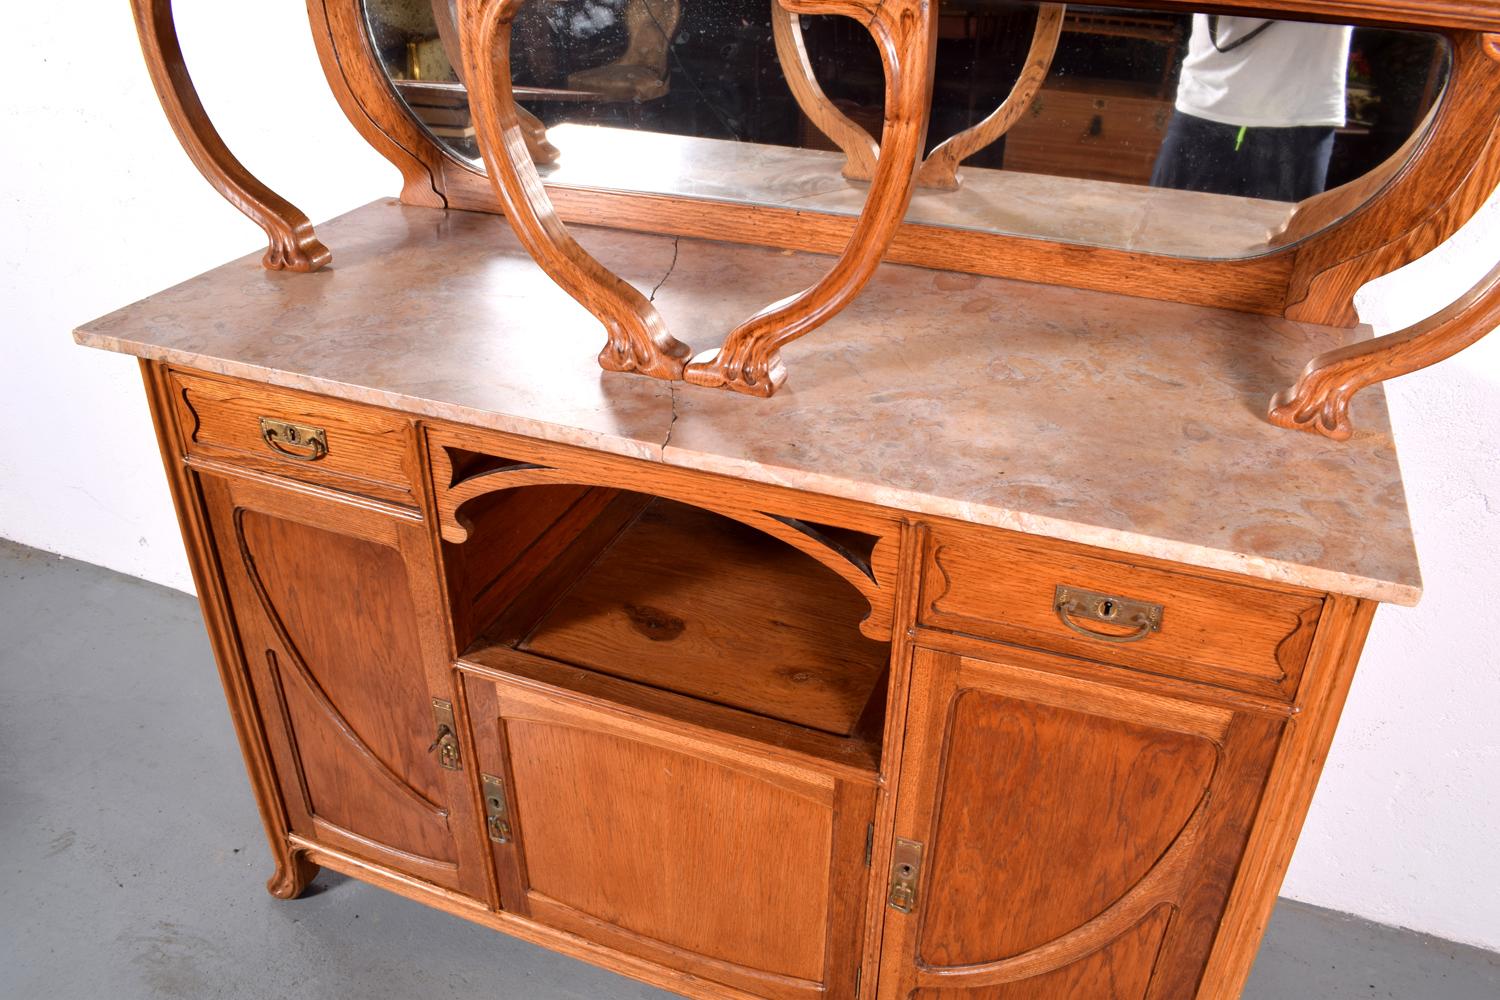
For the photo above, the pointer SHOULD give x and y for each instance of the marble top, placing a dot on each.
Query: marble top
(1096, 418)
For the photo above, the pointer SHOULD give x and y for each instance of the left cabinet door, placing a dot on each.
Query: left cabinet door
(336, 607)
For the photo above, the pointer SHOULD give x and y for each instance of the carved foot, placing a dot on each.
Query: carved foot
(293, 873)
(716, 370)
(1318, 404)
(297, 250)
(652, 351)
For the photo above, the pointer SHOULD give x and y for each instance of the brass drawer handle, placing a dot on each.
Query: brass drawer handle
(289, 439)
(1069, 602)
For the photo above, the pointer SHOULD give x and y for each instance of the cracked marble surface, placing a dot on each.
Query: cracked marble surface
(1111, 421)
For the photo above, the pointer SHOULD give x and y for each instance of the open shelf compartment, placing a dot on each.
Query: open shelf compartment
(672, 598)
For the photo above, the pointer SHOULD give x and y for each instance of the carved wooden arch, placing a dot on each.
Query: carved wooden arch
(940, 168)
(293, 244)
(1449, 177)
(873, 576)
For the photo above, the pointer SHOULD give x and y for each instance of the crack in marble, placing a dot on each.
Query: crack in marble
(671, 424)
(676, 242)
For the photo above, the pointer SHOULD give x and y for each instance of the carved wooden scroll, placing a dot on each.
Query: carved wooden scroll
(905, 32)
(940, 169)
(1319, 402)
(638, 340)
(293, 244)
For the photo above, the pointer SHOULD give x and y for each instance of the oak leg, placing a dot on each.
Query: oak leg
(638, 340)
(293, 873)
(905, 32)
(1319, 402)
(293, 244)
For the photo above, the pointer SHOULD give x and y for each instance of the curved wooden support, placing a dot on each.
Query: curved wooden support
(1454, 168)
(940, 169)
(532, 129)
(860, 149)
(1319, 402)
(638, 340)
(905, 32)
(293, 244)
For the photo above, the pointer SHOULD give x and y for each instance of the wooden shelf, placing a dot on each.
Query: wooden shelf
(693, 603)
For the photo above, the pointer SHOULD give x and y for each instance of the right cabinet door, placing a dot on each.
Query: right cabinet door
(1060, 837)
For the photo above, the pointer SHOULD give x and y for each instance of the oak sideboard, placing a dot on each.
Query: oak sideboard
(995, 657)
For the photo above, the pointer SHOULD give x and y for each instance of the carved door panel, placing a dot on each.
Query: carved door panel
(733, 866)
(1067, 838)
(341, 637)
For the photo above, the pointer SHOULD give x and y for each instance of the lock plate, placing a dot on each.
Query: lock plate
(301, 442)
(446, 740)
(906, 875)
(496, 812)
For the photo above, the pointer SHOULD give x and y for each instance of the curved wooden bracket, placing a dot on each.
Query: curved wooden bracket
(1319, 402)
(940, 169)
(293, 244)
(638, 340)
(905, 32)
(859, 148)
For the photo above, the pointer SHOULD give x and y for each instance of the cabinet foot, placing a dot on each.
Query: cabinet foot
(293, 873)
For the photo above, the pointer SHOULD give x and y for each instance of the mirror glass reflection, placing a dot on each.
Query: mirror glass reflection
(1186, 134)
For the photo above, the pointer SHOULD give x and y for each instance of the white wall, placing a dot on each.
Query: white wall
(100, 208)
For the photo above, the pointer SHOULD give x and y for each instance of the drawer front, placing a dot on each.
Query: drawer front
(341, 445)
(1004, 586)
(1094, 136)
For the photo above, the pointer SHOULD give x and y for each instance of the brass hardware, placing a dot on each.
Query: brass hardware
(285, 438)
(446, 741)
(906, 871)
(869, 844)
(1069, 602)
(497, 816)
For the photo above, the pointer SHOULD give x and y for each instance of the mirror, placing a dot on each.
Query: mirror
(1188, 135)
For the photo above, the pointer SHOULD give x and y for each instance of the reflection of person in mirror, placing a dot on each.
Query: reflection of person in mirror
(1257, 105)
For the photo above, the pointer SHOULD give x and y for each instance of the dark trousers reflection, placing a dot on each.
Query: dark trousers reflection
(1278, 164)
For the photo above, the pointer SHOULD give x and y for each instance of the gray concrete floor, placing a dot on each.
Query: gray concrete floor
(133, 863)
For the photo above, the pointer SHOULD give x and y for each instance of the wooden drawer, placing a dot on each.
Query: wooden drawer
(362, 449)
(1003, 586)
(1099, 135)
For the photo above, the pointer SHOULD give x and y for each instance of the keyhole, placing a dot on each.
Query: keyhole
(1107, 609)
(904, 871)
(495, 804)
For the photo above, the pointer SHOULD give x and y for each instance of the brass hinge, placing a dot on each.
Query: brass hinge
(869, 844)
(446, 741)
(859, 975)
(497, 815)
(906, 873)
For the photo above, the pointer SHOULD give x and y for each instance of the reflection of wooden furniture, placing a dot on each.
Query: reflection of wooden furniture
(1092, 129)
(621, 670)
(940, 167)
(641, 73)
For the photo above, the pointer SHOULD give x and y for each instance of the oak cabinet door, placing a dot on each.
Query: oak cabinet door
(740, 869)
(345, 657)
(1066, 838)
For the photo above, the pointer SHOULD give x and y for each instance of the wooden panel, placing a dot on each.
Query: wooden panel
(1001, 585)
(697, 603)
(368, 449)
(1080, 838)
(747, 871)
(1120, 970)
(342, 664)
(1100, 134)
(1120, 794)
